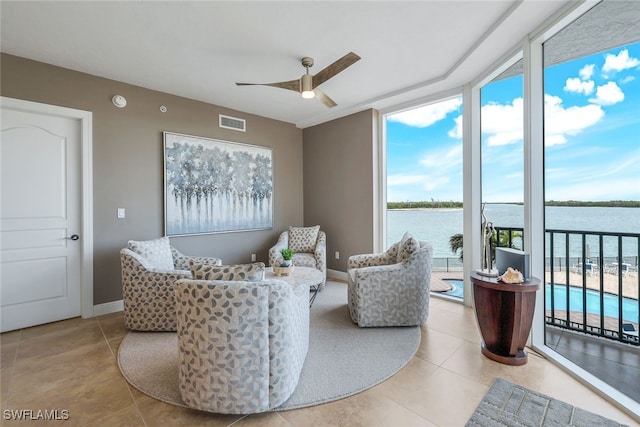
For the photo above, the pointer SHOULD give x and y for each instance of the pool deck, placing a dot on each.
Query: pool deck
(438, 283)
(630, 286)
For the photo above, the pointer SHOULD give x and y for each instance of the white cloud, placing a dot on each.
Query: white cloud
(627, 79)
(456, 132)
(608, 94)
(560, 121)
(429, 114)
(502, 122)
(586, 72)
(401, 179)
(443, 159)
(619, 62)
(579, 86)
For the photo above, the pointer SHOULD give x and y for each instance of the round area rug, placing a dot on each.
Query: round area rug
(342, 360)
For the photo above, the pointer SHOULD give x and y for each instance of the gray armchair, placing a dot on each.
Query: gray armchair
(392, 288)
(313, 253)
(148, 287)
(242, 345)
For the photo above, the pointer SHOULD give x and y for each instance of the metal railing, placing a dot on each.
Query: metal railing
(616, 304)
(605, 302)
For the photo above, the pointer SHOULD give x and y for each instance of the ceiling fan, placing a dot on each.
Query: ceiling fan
(307, 85)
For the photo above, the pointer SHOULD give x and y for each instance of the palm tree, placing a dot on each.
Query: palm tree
(456, 241)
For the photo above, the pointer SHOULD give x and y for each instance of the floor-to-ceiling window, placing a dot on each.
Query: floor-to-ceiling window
(592, 194)
(501, 127)
(424, 182)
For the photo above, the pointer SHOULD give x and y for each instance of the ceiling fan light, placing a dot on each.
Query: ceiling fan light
(307, 86)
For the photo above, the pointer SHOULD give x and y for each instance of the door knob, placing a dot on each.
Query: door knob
(73, 237)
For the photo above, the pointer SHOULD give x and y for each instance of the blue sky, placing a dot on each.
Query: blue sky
(592, 137)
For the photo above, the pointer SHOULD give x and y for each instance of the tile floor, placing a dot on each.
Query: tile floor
(72, 365)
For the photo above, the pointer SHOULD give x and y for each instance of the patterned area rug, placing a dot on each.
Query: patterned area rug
(342, 360)
(507, 404)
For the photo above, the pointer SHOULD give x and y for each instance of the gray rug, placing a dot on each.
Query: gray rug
(507, 404)
(342, 359)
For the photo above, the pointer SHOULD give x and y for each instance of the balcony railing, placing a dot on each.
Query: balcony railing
(607, 303)
(592, 284)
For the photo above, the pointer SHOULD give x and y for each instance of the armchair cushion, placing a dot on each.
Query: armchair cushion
(156, 252)
(245, 272)
(303, 239)
(407, 248)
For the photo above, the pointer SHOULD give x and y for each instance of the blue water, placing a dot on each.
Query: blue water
(438, 225)
(629, 306)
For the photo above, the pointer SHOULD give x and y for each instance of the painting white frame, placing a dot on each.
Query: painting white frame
(215, 186)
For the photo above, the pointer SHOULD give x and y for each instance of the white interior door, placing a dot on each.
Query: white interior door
(40, 218)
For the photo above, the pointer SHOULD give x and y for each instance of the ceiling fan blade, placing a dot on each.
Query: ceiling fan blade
(322, 97)
(335, 68)
(290, 85)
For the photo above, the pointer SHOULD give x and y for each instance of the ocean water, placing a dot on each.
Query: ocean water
(438, 225)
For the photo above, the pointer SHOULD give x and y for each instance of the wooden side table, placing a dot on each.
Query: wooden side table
(505, 313)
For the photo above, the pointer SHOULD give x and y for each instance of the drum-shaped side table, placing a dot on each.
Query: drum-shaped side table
(505, 313)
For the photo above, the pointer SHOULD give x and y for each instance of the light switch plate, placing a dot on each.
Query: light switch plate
(121, 213)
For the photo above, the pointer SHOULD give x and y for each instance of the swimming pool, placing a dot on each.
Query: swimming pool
(629, 305)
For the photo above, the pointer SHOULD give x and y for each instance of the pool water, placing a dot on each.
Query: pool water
(610, 302)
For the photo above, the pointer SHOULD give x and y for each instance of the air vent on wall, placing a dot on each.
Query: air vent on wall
(234, 123)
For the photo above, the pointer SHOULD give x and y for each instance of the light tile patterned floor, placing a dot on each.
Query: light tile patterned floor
(72, 365)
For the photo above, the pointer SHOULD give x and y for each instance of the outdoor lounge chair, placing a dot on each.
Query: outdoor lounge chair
(629, 329)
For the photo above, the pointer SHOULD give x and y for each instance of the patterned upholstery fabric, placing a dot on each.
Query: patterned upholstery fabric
(402, 245)
(303, 239)
(157, 252)
(247, 272)
(407, 248)
(316, 257)
(242, 345)
(384, 292)
(148, 293)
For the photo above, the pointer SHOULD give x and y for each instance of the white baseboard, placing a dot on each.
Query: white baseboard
(335, 274)
(108, 308)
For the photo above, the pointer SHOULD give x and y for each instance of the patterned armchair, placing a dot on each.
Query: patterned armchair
(392, 288)
(241, 344)
(309, 245)
(149, 272)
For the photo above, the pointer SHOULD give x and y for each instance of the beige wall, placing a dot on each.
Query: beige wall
(338, 184)
(128, 159)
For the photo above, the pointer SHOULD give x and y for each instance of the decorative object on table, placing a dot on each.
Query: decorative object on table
(509, 404)
(309, 277)
(287, 254)
(505, 313)
(517, 259)
(213, 186)
(279, 271)
(487, 260)
(309, 245)
(149, 361)
(392, 288)
(511, 276)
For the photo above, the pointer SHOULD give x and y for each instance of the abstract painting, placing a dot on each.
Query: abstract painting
(213, 186)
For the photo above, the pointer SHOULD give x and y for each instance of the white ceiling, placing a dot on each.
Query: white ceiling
(199, 49)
